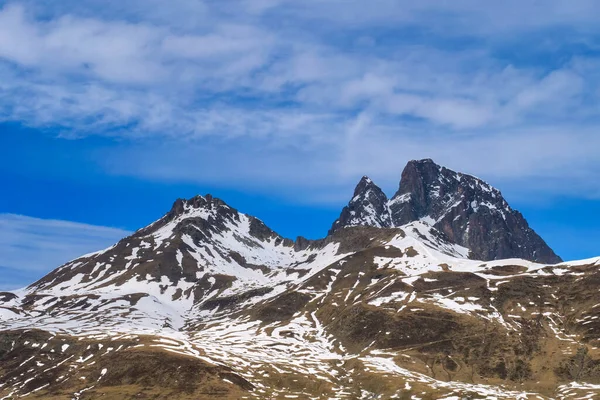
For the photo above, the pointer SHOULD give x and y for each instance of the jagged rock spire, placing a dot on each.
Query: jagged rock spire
(367, 207)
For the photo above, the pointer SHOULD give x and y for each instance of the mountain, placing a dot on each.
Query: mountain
(369, 206)
(466, 209)
(208, 302)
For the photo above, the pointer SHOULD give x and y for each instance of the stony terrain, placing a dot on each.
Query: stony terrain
(208, 303)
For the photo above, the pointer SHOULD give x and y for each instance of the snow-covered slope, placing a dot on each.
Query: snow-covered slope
(200, 253)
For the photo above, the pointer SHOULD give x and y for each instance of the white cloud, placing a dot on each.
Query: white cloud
(31, 247)
(280, 93)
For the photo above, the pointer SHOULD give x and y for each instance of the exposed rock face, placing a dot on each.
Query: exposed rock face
(467, 210)
(369, 206)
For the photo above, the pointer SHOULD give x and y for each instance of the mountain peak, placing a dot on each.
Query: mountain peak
(207, 201)
(468, 210)
(201, 243)
(367, 207)
(426, 188)
(423, 161)
(363, 185)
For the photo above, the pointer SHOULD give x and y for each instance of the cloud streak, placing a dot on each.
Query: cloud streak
(31, 247)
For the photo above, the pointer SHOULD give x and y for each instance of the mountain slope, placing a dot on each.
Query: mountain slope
(466, 209)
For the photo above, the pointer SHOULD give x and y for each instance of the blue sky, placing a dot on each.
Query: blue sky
(110, 110)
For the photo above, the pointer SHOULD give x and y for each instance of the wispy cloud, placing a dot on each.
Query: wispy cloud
(281, 93)
(31, 247)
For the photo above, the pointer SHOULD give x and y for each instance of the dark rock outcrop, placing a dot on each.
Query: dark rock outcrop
(466, 209)
(369, 207)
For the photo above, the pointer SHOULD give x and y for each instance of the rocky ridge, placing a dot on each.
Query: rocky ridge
(466, 209)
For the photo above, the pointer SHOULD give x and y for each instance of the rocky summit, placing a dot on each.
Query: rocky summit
(408, 298)
(466, 209)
